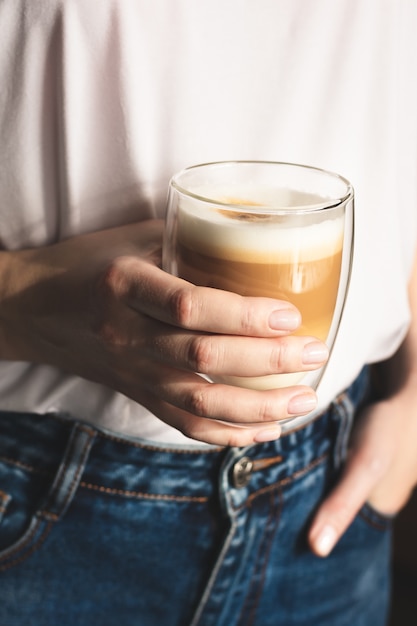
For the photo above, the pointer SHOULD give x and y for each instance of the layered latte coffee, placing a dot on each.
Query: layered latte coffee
(258, 253)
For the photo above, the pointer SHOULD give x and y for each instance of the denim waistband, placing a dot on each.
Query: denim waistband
(123, 465)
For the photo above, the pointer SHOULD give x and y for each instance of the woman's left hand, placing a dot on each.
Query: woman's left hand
(381, 469)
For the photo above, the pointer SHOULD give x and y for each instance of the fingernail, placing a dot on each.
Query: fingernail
(325, 541)
(285, 319)
(315, 352)
(267, 434)
(302, 403)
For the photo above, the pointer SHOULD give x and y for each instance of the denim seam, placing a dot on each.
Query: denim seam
(21, 546)
(25, 466)
(272, 523)
(142, 495)
(283, 481)
(205, 598)
(108, 490)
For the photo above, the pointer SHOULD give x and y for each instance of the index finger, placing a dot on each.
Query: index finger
(150, 290)
(362, 472)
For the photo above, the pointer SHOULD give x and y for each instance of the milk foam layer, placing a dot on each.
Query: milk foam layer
(208, 229)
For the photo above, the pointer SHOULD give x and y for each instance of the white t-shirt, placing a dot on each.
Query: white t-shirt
(102, 101)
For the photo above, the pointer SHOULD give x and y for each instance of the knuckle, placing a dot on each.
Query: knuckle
(109, 335)
(267, 411)
(183, 306)
(248, 321)
(202, 354)
(104, 305)
(114, 275)
(111, 281)
(278, 356)
(198, 402)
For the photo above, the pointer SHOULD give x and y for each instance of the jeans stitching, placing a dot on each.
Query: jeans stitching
(142, 495)
(25, 466)
(283, 481)
(374, 519)
(211, 583)
(22, 546)
(272, 524)
(109, 490)
(150, 496)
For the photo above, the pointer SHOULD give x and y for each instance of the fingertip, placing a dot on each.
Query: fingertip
(285, 319)
(315, 353)
(323, 541)
(268, 434)
(302, 403)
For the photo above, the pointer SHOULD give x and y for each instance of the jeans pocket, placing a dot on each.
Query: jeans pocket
(34, 500)
(376, 519)
(22, 525)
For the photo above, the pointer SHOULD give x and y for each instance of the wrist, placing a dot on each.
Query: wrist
(6, 296)
(15, 279)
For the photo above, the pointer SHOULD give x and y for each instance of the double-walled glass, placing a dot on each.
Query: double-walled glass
(271, 229)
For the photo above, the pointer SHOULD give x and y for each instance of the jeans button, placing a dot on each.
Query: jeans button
(242, 471)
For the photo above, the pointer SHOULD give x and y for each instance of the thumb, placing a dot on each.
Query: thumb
(363, 471)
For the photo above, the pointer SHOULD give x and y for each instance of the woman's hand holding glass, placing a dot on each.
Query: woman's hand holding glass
(100, 307)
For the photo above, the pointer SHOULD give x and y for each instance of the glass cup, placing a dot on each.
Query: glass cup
(272, 229)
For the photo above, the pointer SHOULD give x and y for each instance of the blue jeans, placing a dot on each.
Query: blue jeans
(103, 530)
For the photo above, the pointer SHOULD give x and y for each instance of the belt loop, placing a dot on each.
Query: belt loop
(345, 410)
(346, 407)
(69, 472)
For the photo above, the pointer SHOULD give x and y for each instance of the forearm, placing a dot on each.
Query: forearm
(26, 291)
(45, 293)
